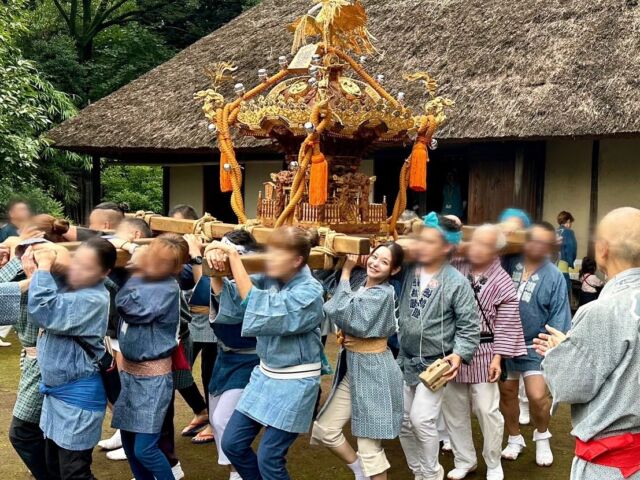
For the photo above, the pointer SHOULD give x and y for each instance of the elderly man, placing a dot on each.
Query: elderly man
(475, 388)
(543, 302)
(595, 367)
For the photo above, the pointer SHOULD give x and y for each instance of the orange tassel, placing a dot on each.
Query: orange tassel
(319, 178)
(418, 166)
(225, 177)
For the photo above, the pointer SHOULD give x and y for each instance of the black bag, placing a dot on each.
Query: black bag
(108, 370)
(503, 362)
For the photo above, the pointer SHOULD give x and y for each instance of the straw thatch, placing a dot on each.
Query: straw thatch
(525, 69)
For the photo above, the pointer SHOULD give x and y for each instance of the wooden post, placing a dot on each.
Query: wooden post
(166, 189)
(593, 203)
(96, 186)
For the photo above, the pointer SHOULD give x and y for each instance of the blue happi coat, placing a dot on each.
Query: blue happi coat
(543, 301)
(237, 356)
(285, 319)
(375, 379)
(149, 320)
(75, 401)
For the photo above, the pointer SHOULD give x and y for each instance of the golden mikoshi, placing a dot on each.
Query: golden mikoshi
(321, 107)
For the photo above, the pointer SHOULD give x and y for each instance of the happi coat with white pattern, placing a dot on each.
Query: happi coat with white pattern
(375, 379)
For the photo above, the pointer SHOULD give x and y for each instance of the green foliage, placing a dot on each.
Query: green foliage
(39, 200)
(140, 187)
(87, 49)
(29, 106)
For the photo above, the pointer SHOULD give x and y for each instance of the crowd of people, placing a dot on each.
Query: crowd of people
(430, 329)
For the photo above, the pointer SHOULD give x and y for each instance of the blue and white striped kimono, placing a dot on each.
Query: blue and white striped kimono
(75, 400)
(375, 379)
(285, 319)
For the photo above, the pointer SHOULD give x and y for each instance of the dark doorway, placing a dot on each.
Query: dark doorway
(387, 165)
(491, 176)
(216, 202)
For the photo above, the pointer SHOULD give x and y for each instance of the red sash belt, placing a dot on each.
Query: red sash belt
(620, 451)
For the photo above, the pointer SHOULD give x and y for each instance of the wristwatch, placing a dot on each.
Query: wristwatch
(196, 260)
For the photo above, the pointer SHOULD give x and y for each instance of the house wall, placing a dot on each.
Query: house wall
(568, 180)
(619, 174)
(567, 185)
(186, 186)
(255, 174)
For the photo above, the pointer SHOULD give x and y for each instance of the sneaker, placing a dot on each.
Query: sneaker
(177, 471)
(515, 445)
(460, 473)
(446, 446)
(544, 455)
(115, 441)
(234, 476)
(4, 344)
(495, 473)
(117, 454)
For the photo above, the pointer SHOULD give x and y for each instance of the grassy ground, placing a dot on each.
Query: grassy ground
(306, 462)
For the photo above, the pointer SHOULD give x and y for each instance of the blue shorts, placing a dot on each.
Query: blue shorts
(532, 361)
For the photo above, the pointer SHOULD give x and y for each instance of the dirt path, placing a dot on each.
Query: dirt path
(306, 462)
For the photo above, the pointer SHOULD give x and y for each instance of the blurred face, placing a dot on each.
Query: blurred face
(19, 214)
(482, 248)
(160, 263)
(85, 269)
(540, 244)
(128, 232)
(513, 224)
(281, 264)
(379, 265)
(433, 248)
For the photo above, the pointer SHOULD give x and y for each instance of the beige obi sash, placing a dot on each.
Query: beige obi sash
(199, 309)
(362, 345)
(149, 368)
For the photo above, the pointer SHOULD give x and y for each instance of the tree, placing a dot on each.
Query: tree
(29, 106)
(139, 187)
(85, 19)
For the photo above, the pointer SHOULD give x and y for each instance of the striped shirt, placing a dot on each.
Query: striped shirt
(498, 299)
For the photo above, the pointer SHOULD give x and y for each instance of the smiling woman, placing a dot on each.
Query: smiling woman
(366, 318)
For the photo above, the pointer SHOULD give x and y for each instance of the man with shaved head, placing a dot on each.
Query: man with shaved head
(596, 366)
(501, 336)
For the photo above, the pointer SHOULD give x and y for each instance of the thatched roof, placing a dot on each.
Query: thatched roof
(525, 69)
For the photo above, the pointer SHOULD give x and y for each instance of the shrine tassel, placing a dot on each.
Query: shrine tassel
(418, 166)
(318, 178)
(225, 177)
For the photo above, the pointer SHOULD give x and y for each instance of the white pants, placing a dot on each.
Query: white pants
(419, 432)
(327, 431)
(484, 400)
(220, 410)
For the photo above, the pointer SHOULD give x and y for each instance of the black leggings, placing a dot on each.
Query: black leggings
(208, 359)
(68, 464)
(28, 440)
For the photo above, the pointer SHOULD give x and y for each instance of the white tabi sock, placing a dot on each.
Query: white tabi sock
(356, 468)
(235, 476)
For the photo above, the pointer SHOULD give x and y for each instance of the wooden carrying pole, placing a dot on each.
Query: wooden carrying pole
(342, 245)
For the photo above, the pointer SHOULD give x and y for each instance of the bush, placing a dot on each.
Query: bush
(140, 187)
(39, 200)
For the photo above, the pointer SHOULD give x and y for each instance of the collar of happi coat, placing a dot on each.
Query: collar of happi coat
(627, 279)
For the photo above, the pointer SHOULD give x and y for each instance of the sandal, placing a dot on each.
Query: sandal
(204, 436)
(197, 424)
